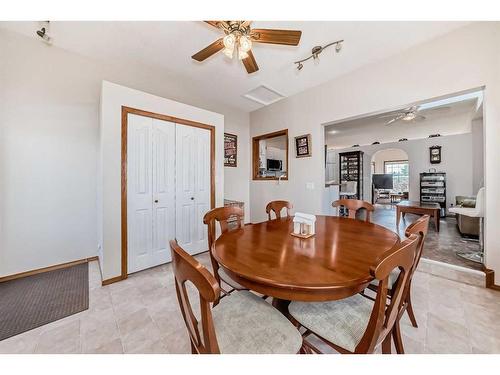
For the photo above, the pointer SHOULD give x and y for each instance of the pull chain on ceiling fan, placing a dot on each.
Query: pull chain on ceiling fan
(239, 38)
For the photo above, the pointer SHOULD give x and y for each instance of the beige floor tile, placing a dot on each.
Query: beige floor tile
(445, 337)
(141, 315)
(64, 339)
(24, 343)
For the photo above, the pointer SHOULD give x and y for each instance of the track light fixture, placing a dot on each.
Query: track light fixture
(316, 51)
(44, 32)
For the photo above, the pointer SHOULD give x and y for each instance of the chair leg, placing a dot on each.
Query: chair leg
(409, 310)
(398, 342)
(386, 344)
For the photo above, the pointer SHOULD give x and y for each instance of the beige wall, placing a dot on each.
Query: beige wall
(389, 154)
(463, 59)
(49, 131)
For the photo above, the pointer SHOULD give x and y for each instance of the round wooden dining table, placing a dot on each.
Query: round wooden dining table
(333, 264)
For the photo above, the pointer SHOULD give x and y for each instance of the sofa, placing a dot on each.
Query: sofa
(468, 226)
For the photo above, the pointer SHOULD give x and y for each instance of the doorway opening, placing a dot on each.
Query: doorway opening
(390, 176)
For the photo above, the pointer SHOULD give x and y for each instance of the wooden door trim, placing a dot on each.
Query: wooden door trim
(124, 127)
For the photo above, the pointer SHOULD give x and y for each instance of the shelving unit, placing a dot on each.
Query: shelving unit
(351, 169)
(433, 189)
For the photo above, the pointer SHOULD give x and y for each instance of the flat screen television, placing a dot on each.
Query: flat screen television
(274, 165)
(382, 181)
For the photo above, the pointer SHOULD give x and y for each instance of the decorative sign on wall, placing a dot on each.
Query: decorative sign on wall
(435, 154)
(303, 146)
(230, 150)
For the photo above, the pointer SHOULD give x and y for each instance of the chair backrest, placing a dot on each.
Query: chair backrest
(353, 205)
(480, 202)
(383, 317)
(348, 187)
(419, 227)
(277, 207)
(187, 269)
(222, 215)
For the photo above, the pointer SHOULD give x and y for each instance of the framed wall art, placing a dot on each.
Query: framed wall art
(230, 150)
(303, 146)
(435, 154)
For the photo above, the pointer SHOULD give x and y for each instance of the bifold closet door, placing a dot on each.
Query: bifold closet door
(192, 187)
(150, 191)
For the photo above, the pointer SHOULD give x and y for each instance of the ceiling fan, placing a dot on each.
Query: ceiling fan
(411, 114)
(239, 38)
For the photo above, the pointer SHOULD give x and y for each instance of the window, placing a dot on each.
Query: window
(400, 175)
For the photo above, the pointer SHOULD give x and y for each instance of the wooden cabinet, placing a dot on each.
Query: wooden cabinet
(351, 169)
(433, 189)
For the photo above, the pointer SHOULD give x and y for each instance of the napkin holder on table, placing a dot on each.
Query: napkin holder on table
(303, 225)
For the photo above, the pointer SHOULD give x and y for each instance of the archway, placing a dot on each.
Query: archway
(390, 176)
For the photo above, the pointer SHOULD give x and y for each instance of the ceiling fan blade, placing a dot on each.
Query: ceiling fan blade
(437, 109)
(250, 63)
(390, 115)
(272, 36)
(397, 118)
(419, 118)
(209, 50)
(213, 23)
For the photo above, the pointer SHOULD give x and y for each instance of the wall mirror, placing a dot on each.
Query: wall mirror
(270, 156)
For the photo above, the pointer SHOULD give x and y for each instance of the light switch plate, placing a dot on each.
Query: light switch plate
(310, 185)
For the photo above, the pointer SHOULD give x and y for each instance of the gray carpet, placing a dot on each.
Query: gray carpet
(36, 300)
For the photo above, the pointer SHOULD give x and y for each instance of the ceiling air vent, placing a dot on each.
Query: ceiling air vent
(263, 95)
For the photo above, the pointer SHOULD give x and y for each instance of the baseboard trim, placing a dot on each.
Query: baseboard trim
(113, 280)
(46, 269)
(490, 279)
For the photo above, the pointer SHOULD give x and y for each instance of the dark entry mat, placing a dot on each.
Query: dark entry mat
(36, 300)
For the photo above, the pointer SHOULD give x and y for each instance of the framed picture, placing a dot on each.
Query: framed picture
(435, 154)
(303, 146)
(230, 150)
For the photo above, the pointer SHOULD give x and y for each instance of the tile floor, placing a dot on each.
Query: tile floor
(141, 315)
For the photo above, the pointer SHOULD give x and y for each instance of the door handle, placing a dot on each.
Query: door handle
(192, 198)
(156, 200)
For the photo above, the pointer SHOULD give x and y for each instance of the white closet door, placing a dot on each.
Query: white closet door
(163, 190)
(139, 192)
(192, 187)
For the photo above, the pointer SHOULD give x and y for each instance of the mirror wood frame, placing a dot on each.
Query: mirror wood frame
(255, 155)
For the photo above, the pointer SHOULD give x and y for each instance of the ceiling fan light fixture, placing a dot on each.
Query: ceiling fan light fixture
(409, 116)
(229, 41)
(242, 54)
(245, 44)
(229, 52)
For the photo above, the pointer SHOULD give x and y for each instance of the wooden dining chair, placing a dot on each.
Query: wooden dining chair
(277, 207)
(241, 323)
(420, 228)
(353, 205)
(223, 215)
(357, 324)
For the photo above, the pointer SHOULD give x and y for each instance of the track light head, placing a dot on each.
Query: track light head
(338, 47)
(43, 33)
(299, 66)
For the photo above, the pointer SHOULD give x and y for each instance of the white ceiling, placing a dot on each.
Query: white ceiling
(170, 44)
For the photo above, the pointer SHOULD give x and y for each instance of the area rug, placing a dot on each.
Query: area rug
(36, 300)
